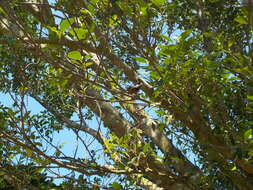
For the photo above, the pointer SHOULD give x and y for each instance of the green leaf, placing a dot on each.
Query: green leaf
(234, 168)
(146, 148)
(108, 144)
(91, 6)
(58, 32)
(113, 21)
(88, 64)
(241, 20)
(230, 43)
(29, 153)
(158, 2)
(248, 134)
(165, 38)
(79, 32)
(57, 153)
(159, 160)
(140, 59)
(143, 11)
(175, 158)
(251, 153)
(250, 98)
(85, 11)
(66, 23)
(2, 11)
(75, 55)
(116, 186)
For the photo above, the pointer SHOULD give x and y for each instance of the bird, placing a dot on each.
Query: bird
(134, 89)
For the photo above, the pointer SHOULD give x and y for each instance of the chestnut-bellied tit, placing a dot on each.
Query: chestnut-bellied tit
(134, 89)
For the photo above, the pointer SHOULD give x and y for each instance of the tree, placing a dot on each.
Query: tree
(163, 88)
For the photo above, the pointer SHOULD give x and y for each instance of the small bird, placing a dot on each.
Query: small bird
(134, 89)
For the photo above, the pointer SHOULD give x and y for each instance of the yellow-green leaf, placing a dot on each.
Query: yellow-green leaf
(66, 23)
(88, 64)
(241, 20)
(248, 134)
(29, 153)
(158, 2)
(75, 55)
(140, 59)
(80, 33)
(116, 186)
(250, 98)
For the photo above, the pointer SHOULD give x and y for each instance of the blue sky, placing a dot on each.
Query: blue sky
(65, 137)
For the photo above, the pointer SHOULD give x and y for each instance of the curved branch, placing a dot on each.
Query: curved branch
(70, 124)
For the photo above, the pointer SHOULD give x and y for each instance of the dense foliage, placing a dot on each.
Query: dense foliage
(145, 94)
